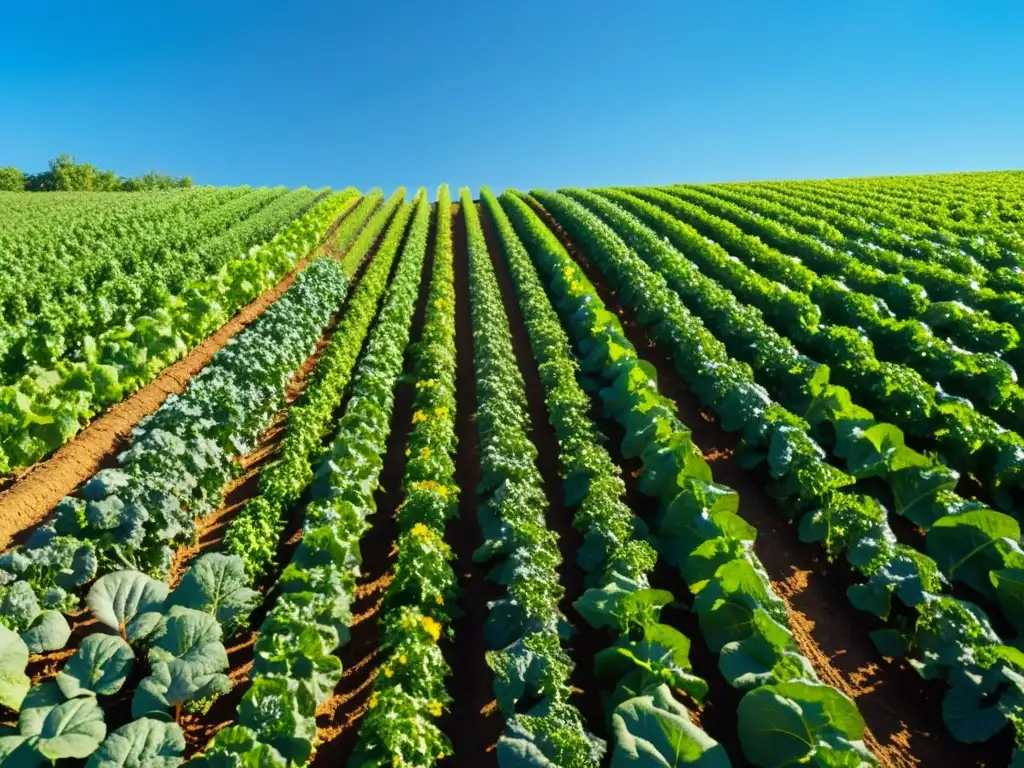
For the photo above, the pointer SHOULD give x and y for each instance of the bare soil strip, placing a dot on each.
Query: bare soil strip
(474, 723)
(31, 496)
(903, 713)
(586, 642)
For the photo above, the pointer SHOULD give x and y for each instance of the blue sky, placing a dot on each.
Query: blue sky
(521, 93)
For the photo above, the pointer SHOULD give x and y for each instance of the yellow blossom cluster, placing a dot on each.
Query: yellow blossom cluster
(431, 627)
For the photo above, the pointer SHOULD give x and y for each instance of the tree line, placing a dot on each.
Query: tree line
(64, 174)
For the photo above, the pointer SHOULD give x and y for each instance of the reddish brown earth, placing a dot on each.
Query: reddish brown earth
(474, 722)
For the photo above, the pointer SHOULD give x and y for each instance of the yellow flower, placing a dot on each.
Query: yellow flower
(403, 659)
(441, 411)
(426, 384)
(420, 531)
(442, 491)
(438, 599)
(373, 700)
(434, 708)
(431, 627)
(425, 452)
(418, 417)
(440, 755)
(388, 673)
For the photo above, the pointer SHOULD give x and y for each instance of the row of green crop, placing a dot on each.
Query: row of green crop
(646, 666)
(295, 666)
(254, 533)
(896, 286)
(993, 246)
(796, 302)
(175, 468)
(698, 529)
(135, 514)
(959, 201)
(45, 409)
(961, 306)
(949, 639)
(86, 288)
(409, 696)
(919, 487)
(523, 628)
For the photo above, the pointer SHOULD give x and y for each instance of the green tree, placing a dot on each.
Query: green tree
(66, 175)
(12, 180)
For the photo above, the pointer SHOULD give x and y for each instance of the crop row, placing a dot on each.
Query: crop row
(799, 305)
(698, 528)
(47, 407)
(950, 639)
(295, 667)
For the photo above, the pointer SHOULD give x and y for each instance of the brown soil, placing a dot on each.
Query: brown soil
(474, 722)
(902, 712)
(33, 493)
(586, 642)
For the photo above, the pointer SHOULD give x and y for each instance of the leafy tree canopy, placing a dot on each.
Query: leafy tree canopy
(64, 174)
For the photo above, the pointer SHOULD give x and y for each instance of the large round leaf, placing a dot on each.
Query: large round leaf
(118, 598)
(38, 704)
(144, 743)
(217, 584)
(193, 637)
(49, 632)
(655, 731)
(14, 683)
(98, 668)
(72, 729)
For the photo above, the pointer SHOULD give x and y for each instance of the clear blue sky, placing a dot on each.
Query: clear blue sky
(519, 93)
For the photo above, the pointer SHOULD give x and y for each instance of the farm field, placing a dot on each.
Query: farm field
(703, 474)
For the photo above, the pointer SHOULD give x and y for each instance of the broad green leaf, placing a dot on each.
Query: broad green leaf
(192, 636)
(38, 703)
(282, 715)
(780, 725)
(969, 718)
(238, 747)
(14, 683)
(655, 731)
(49, 632)
(16, 751)
(100, 667)
(1009, 586)
(72, 729)
(616, 607)
(769, 655)
(968, 546)
(663, 652)
(217, 584)
(118, 598)
(172, 684)
(143, 743)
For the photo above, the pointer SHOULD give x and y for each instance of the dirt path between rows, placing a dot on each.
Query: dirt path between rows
(474, 722)
(902, 712)
(32, 495)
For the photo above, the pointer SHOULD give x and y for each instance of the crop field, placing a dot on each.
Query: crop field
(639, 477)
